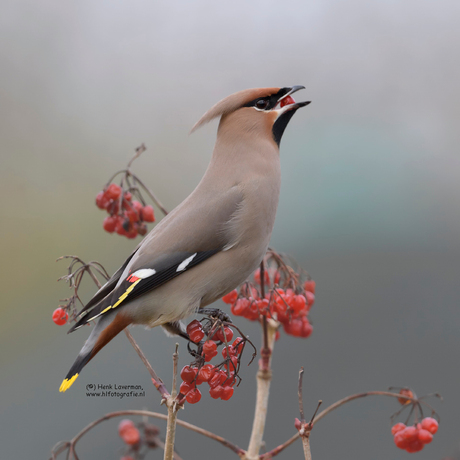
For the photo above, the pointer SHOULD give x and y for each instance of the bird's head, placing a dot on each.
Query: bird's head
(266, 109)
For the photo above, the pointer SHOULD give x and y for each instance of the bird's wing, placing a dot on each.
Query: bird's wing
(106, 289)
(186, 237)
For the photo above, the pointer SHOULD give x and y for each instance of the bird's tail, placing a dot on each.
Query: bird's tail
(105, 330)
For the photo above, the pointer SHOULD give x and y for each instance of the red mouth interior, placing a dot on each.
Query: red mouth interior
(287, 101)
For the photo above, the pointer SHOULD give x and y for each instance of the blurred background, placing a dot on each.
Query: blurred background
(369, 204)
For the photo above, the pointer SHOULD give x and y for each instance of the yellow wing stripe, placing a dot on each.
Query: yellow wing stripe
(120, 299)
(123, 297)
(67, 383)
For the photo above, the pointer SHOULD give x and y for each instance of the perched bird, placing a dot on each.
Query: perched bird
(213, 240)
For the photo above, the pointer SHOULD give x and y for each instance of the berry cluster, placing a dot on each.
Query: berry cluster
(413, 438)
(136, 437)
(289, 305)
(222, 377)
(127, 217)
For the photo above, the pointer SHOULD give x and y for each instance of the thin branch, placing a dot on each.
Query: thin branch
(146, 413)
(300, 394)
(152, 196)
(264, 377)
(139, 150)
(173, 408)
(159, 385)
(326, 411)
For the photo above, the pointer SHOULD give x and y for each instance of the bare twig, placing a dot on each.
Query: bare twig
(264, 377)
(326, 411)
(62, 446)
(157, 382)
(173, 408)
(300, 393)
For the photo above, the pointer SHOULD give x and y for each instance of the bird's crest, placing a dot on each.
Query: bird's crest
(232, 103)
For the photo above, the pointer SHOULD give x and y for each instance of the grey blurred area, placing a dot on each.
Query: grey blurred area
(369, 205)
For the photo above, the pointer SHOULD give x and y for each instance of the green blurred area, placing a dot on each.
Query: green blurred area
(369, 203)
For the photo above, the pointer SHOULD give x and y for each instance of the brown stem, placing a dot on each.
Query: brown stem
(306, 446)
(189, 426)
(159, 385)
(326, 411)
(139, 150)
(161, 445)
(152, 196)
(300, 394)
(264, 377)
(173, 408)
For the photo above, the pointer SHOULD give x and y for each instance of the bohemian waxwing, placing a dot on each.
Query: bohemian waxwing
(213, 240)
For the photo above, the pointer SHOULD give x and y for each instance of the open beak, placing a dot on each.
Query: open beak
(287, 103)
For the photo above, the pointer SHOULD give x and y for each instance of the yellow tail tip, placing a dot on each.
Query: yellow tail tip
(66, 383)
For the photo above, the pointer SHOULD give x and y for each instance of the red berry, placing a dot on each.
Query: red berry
(137, 206)
(238, 345)
(240, 307)
(310, 286)
(399, 440)
(397, 428)
(217, 378)
(60, 316)
(230, 297)
(215, 392)
(206, 372)
(232, 365)
(219, 335)
(310, 298)
(209, 347)
(195, 324)
(298, 303)
(414, 446)
(131, 436)
(124, 425)
(227, 393)
(409, 433)
(193, 396)
(109, 224)
(196, 335)
(405, 392)
(147, 214)
(113, 206)
(187, 374)
(113, 192)
(101, 200)
(120, 226)
(209, 356)
(226, 351)
(127, 196)
(430, 424)
(132, 215)
(425, 436)
(307, 328)
(296, 327)
(251, 312)
(257, 276)
(195, 331)
(132, 233)
(185, 388)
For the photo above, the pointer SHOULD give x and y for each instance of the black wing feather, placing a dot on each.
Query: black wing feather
(166, 270)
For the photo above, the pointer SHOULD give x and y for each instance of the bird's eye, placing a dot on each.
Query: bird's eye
(262, 104)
